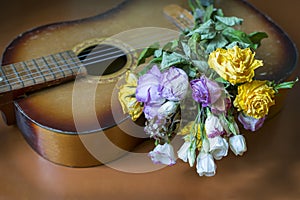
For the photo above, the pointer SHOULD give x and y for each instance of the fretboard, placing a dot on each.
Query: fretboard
(38, 72)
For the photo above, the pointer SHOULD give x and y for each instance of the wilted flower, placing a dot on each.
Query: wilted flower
(255, 98)
(149, 87)
(167, 109)
(127, 98)
(221, 105)
(237, 144)
(218, 147)
(175, 84)
(221, 84)
(151, 110)
(235, 65)
(156, 128)
(230, 126)
(213, 126)
(187, 152)
(205, 164)
(163, 154)
(206, 91)
(250, 123)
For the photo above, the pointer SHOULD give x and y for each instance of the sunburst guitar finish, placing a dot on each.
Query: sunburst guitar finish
(66, 108)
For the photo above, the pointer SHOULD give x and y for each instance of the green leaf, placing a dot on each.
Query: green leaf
(236, 35)
(202, 66)
(242, 45)
(172, 59)
(192, 72)
(199, 14)
(207, 2)
(208, 13)
(218, 42)
(221, 80)
(220, 26)
(170, 46)
(146, 53)
(286, 85)
(256, 37)
(206, 30)
(219, 12)
(230, 21)
(186, 49)
(156, 60)
(191, 5)
(158, 53)
(193, 42)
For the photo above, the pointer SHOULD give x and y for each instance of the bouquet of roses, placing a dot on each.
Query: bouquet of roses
(198, 86)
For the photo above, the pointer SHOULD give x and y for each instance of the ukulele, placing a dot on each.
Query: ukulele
(59, 82)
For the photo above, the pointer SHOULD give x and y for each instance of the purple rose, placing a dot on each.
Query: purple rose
(250, 123)
(149, 87)
(175, 84)
(205, 91)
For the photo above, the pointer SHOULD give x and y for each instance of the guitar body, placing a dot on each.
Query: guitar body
(68, 129)
(46, 117)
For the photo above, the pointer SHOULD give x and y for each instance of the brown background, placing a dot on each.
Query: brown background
(269, 170)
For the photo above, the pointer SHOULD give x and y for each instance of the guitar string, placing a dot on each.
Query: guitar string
(58, 66)
(166, 38)
(58, 63)
(59, 70)
(64, 70)
(42, 66)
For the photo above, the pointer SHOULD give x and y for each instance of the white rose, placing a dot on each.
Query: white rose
(205, 164)
(187, 152)
(163, 154)
(237, 144)
(218, 147)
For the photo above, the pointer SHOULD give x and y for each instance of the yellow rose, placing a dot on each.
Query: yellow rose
(255, 98)
(127, 97)
(234, 65)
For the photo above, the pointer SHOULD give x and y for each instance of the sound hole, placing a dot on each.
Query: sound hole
(103, 59)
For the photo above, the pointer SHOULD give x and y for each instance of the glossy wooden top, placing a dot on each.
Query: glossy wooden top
(269, 170)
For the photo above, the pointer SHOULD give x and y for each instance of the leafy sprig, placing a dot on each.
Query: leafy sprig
(190, 52)
(218, 31)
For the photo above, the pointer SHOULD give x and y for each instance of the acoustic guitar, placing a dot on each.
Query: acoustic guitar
(59, 82)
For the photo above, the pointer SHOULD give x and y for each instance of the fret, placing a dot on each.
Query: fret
(35, 71)
(56, 70)
(72, 61)
(4, 84)
(12, 78)
(24, 74)
(62, 65)
(17, 75)
(38, 71)
(49, 67)
(44, 69)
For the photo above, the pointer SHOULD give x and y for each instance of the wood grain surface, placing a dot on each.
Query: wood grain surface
(269, 170)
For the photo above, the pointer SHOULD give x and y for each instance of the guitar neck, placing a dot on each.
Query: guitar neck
(38, 73)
